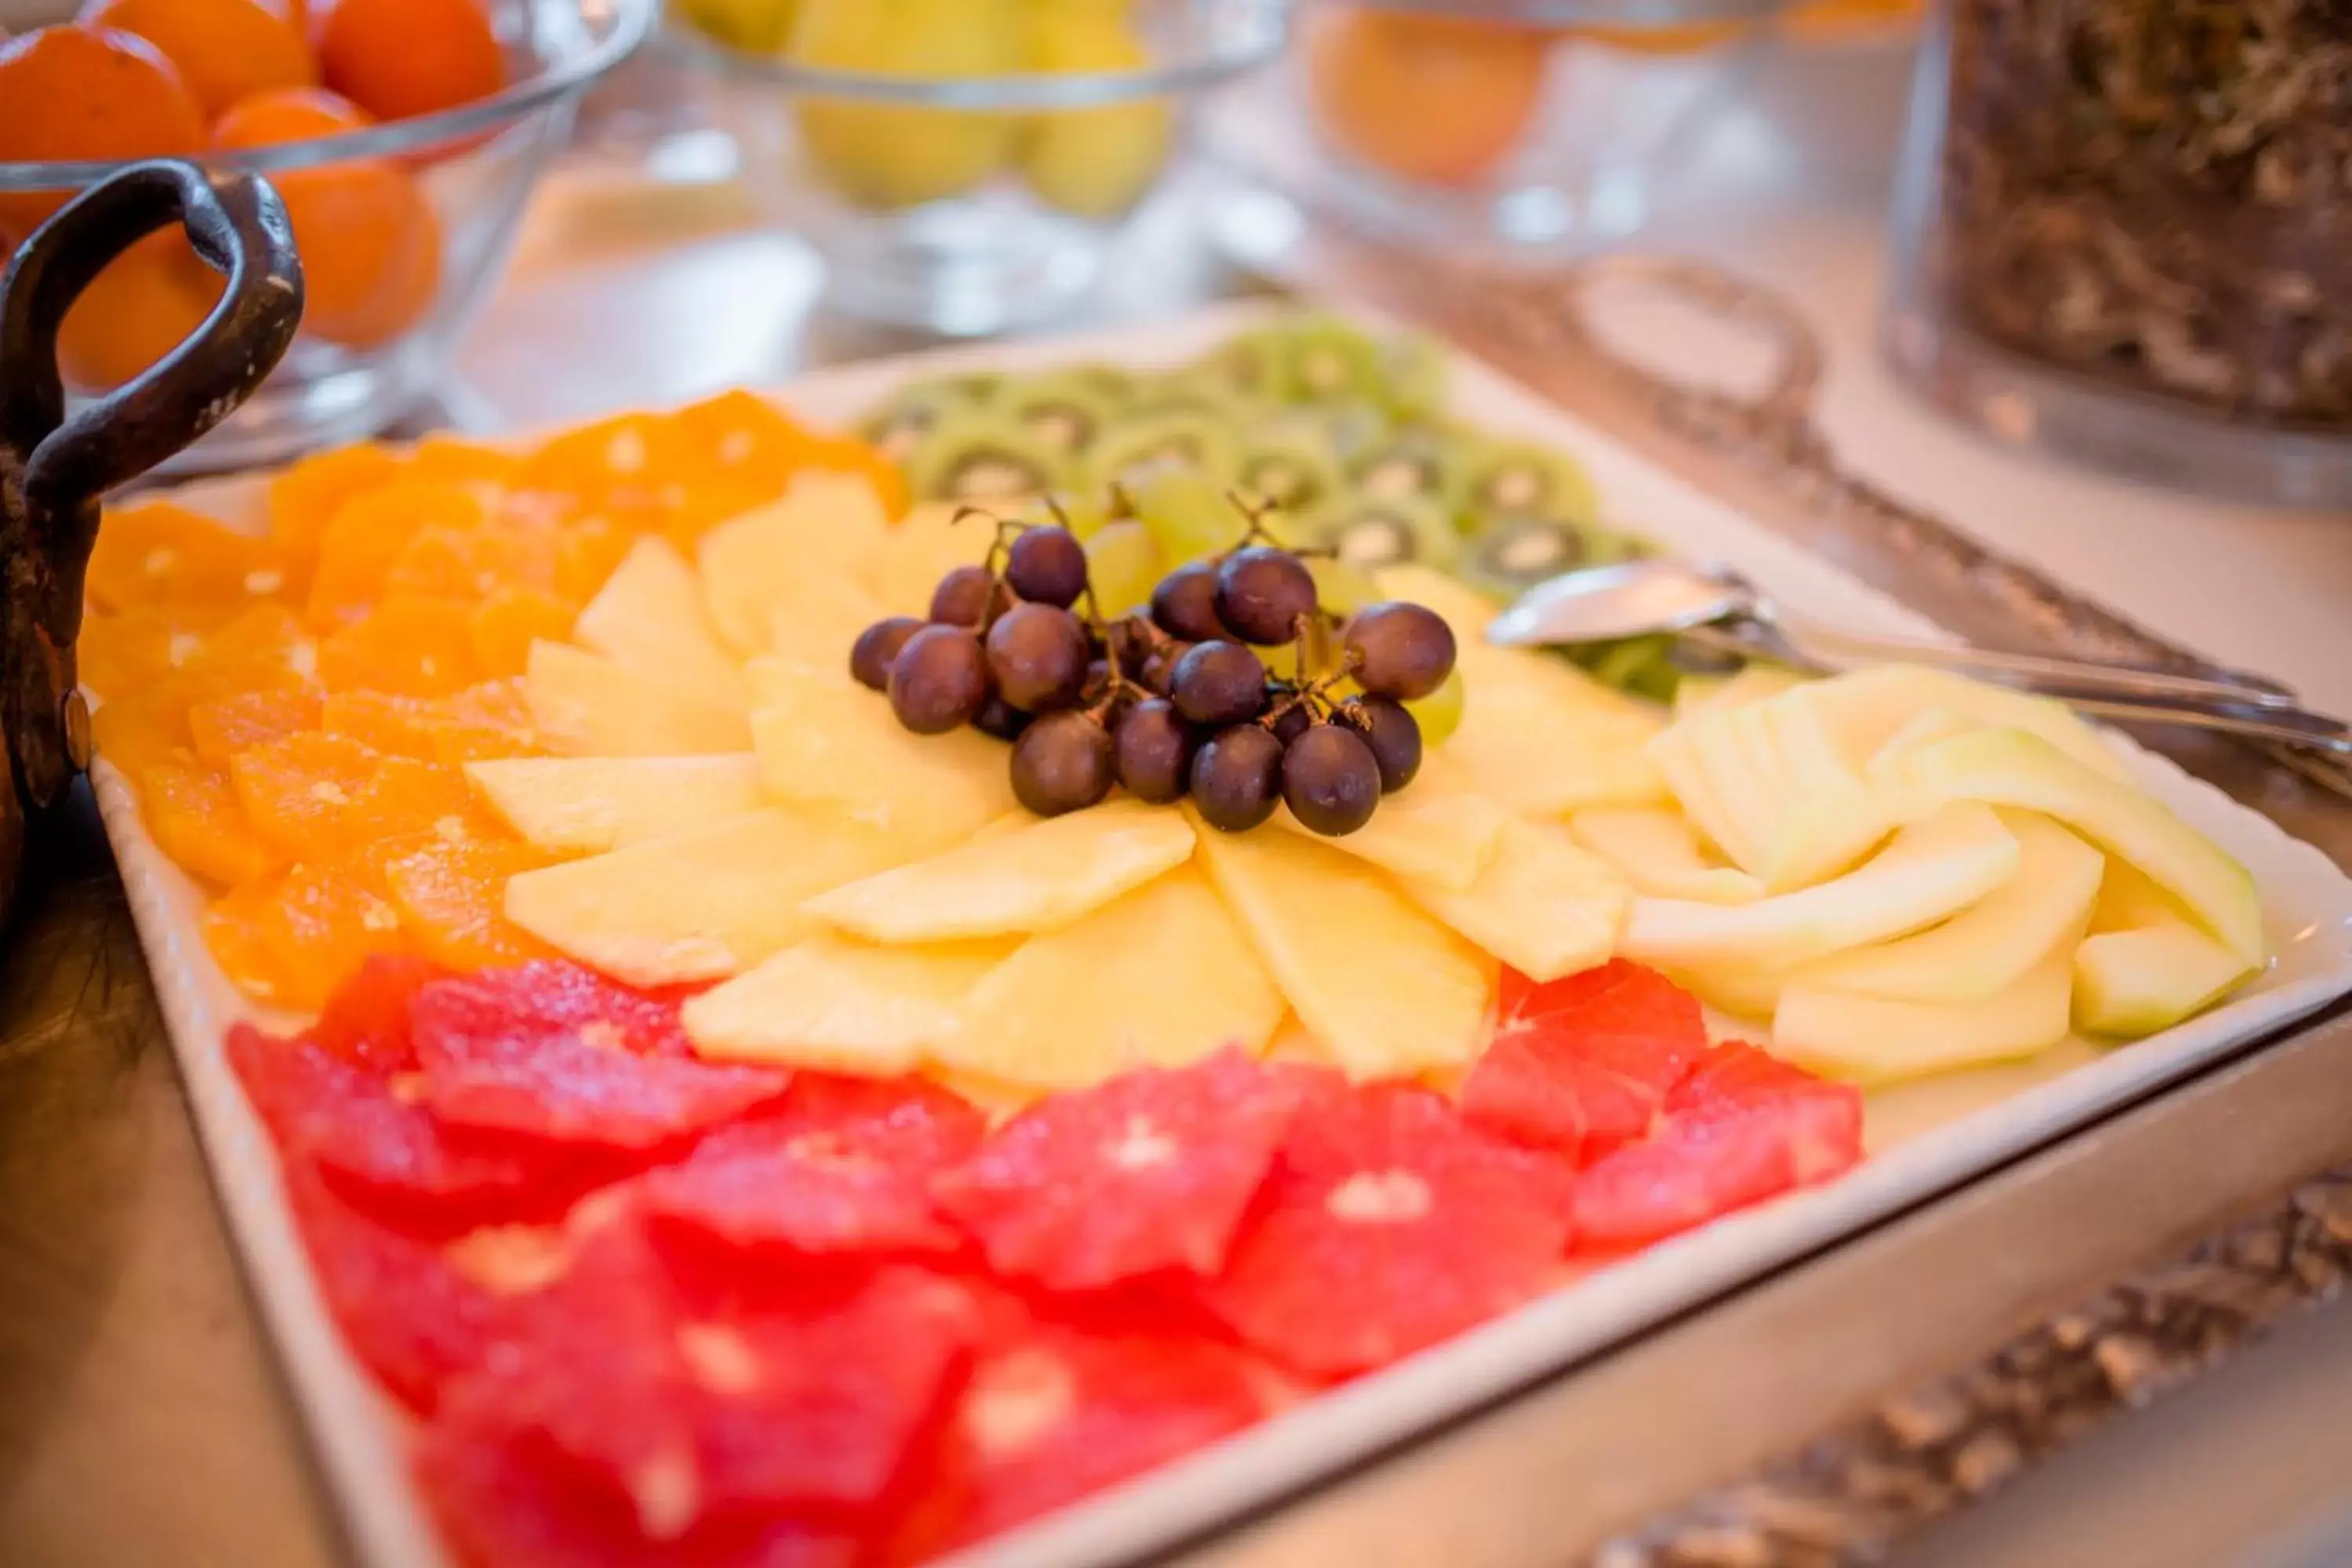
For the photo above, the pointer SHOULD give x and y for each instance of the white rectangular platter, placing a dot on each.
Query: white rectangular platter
(1924, 1139)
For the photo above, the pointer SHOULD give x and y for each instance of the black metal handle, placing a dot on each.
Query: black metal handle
(55, 469)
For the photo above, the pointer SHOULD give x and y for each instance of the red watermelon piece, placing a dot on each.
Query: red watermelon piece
(1388, 1224)
(366, 1022)
(1582, 1066)
(556, 1052)
(384, 1153)
(841, 1165)
(509, 1501)
(1146, 1174)
(1741, 1127)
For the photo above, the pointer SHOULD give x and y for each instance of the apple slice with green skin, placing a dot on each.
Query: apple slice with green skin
(837, 1004)
(585, 805)
(1031, 878)
(1866, 708)
(1989, 946)
(1384, 987)
(1158, 977)
(829, 744)
(697, 906)
(650, 616)
(929, 544)
(2130, 983)
(1542, 905)
(2014, 768)
(1661, 855)
(1435, 829)
(828, 531)
(1871, 1039)
(588, 705)
(1932, 869)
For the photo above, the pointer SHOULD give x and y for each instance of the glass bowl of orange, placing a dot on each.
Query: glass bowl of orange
(404, 135)
(962, 166)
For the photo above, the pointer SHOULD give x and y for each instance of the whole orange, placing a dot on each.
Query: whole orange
(371, 247)
(401, 58)
(1438, 99)
(68, 92)
(227, 49)
(137, 310)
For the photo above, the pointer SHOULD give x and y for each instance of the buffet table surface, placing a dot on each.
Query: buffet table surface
(141, 1418)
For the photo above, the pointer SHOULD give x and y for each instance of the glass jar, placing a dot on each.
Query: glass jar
(2122, 232)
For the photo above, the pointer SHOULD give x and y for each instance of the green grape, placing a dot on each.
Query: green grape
(1438, 714)
(1082, 515)
(1642, 665)
(1124, 563)
(1189, 514)
(1343, 588)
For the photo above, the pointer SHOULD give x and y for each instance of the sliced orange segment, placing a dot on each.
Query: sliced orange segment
(629, 456)
(847, 455)
(510, 619)
(301, 794)
(306, 496)
(368, 533)
(408, 796)
(233, 930)
(455, 460)
(395, 726)
(474, 562)
(263, 649)
(156, 555)
(197, 820)
(224, 726)
(492, 719)
(123, 654)
(452, 899)
(136, 734)
(745, 440)
(325, 923)
(410, 646)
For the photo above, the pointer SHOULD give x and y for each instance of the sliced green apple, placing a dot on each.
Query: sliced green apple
(832, 1003)
(588, 705)
(1872, 1039)
(2128, 983)
(1989, 946)
(1661, 855)
(649, 617)
(585, 805)
(1542, 905)
(1931, 869)
(1384, 987)
(1032, 879)
(2014, 768)
(1157, 977)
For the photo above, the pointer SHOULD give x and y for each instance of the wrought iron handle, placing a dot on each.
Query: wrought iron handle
(54, 467)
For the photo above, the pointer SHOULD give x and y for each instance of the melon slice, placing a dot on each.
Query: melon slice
(1989, 946)
(1696, 695)
(827, 534)
(1158, 977)
(1433, 829)
(1542, 905)
(831, 745)
(1871, 1039)
(650, 616)
(1032, 879)
(1661, 855)
(1867, 708)
(843, 1006)
(2130, 983)
(697, 906)
(1385, 988)
(2014, 768)
(585, 805)
(589, 705)
(1738, 990)
(1931, 871)
(927, 545)
(1768, 781)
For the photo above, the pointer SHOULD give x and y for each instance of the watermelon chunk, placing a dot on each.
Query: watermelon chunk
(1145, 1174)
(841, 1165)
(1582, 1066)
(366, 1022)
(1388, 1224)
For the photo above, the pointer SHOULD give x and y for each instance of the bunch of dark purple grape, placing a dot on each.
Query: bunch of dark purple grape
(1175, 702)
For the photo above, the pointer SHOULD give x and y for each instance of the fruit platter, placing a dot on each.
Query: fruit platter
(977, 959)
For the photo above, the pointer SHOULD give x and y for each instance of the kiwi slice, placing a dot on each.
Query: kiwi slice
(899, 427)
(1354, 430)
(1418, 462)
(980, 456)
(1288, 462)
(1369, 533)
(1191, 392)
(1412, 378)
(1249, 364)
(1065, 411)
(1512, 480)
(1133, 446)
(1513, 554)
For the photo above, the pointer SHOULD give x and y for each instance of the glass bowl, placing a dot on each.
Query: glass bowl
(1506, 127)
(349, 376)
(971, 205)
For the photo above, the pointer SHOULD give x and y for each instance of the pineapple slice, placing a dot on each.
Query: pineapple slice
(1542, 905)
(829, 530)
(1543, 738)
(1032, 879)
(1386, 988)
(928, 544)
(814, 622)
(843, 1006)
(649, 617)
(1158, 977)
(1659, 851)
(697, 906)
(1434, 829)
(585, 805)
(831, 745)
(588, 705)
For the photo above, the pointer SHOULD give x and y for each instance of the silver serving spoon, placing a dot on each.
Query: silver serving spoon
(1715, 606)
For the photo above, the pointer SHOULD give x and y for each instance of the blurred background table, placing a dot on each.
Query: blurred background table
(140, 1420)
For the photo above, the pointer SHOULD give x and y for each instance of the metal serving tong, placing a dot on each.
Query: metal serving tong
(54, 469)
(1720, 611)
